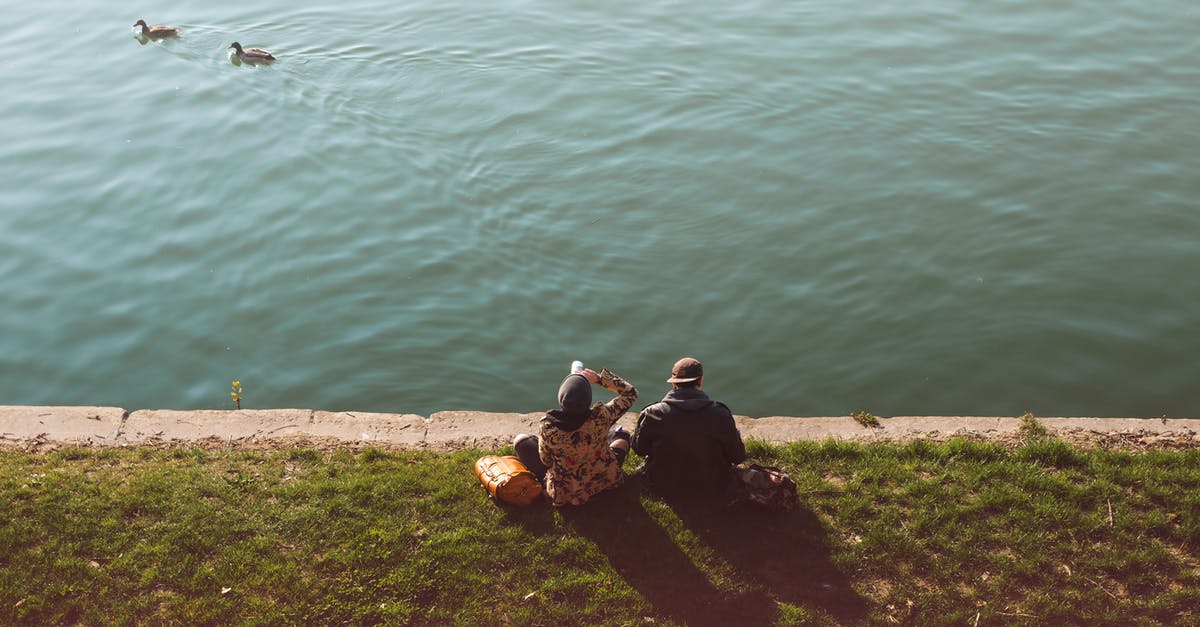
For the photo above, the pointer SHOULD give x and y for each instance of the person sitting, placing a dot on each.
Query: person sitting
(577, 454)
(690, 441)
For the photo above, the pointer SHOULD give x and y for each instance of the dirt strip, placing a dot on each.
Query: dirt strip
(34, 428)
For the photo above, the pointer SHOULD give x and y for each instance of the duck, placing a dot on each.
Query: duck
(252, 55)
(156, 32)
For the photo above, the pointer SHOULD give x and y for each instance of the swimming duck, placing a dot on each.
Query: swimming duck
(156, 32)
(252, 55)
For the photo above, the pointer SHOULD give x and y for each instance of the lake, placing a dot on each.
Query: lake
(946, 207)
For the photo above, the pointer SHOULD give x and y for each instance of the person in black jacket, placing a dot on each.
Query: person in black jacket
(689, 441)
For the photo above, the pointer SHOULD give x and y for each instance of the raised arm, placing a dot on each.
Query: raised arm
(626, 393)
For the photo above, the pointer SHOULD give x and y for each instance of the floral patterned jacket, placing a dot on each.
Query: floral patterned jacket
(579, 463)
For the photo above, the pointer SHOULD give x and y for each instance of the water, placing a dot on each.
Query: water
(907, 208)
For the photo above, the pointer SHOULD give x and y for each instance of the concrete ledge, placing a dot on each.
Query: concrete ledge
(1145, 431)
(37, 427)
(779, 429)
(1177, 426)
(476, 429)
(406, 430)
(776, 429)
(72, 425)
(156, 425)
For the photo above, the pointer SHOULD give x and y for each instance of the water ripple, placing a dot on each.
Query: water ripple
(920, 208)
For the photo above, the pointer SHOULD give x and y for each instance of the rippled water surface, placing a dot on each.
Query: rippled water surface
(925, 207)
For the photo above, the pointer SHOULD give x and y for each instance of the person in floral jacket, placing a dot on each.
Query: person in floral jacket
(578, 454)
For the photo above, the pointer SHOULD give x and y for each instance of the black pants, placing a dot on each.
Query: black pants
(527, 452)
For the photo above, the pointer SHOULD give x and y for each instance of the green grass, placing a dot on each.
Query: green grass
(962, 532)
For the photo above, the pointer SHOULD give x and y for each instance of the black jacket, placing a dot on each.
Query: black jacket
(689, 442)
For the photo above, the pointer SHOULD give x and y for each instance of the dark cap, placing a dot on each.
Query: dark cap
(686, 370)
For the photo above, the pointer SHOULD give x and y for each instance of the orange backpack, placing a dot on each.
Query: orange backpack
(507, 479)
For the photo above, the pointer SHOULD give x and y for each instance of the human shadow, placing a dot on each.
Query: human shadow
(537, 519)
(785, 553)
(650, 561)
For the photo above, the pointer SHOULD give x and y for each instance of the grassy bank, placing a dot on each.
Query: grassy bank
(963, 532)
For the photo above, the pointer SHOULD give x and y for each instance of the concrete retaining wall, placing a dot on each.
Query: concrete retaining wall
(24, 426)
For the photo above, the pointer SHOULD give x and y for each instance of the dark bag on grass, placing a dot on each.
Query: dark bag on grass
(507, 479)
(764, 486)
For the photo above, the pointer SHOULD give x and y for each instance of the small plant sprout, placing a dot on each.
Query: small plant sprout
(866, 419)
(236, 394)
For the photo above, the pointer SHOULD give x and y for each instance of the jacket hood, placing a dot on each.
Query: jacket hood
(567, 421)
(575, 401)
(687, 399)
(575, 394)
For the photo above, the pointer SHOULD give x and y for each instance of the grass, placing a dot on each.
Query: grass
(1031, 429)
(961, 532)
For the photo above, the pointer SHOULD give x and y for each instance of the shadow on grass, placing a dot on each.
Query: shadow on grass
(649, 560)
(776, 559)
(785, 554)
(537, 519)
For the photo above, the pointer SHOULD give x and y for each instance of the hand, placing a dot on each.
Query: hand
(591, 375)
